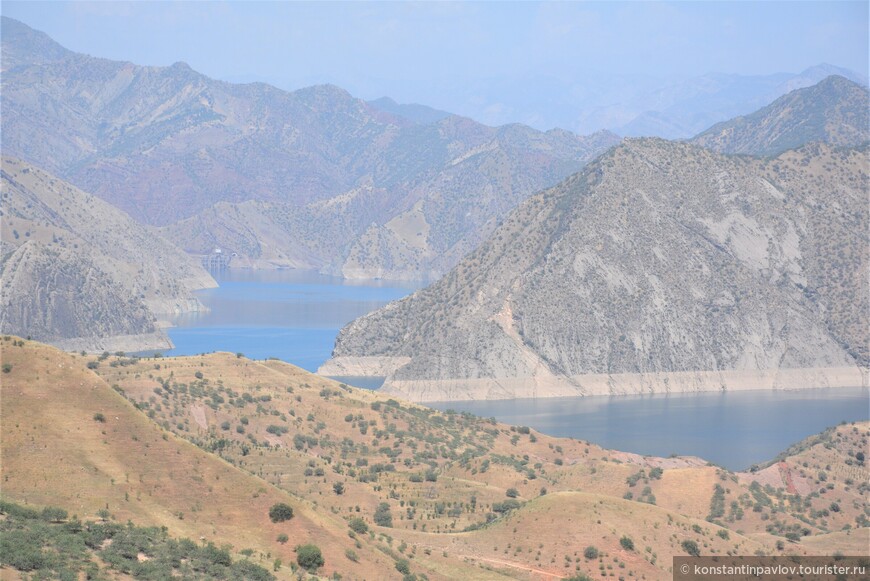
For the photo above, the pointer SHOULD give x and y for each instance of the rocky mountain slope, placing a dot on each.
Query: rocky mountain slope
(80, 273)
(834, 111)
(386, 488)
(168, 144)
(660, 267)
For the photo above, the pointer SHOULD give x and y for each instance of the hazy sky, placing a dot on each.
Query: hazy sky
(404, 49)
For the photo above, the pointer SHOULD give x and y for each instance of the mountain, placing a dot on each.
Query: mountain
(205, 445)
(411, 111)
(174, 148)
(834, 111)
(661, 267)
(79, 273)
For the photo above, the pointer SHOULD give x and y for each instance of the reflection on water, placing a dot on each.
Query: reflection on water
(293, 315)
(734, 430)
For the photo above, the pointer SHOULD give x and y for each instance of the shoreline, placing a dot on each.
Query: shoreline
(538, 387)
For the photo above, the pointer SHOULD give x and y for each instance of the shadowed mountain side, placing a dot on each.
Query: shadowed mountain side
(660, 267)
(80, 273)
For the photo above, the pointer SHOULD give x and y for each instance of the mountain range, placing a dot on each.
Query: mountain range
(256, 171)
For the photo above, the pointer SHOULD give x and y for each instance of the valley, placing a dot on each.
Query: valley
(301, 331)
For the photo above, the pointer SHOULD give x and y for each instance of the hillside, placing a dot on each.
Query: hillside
(834, 111)
(167, 144)
(394, 485)
(71, 441)
(660, 267)
(81, 274)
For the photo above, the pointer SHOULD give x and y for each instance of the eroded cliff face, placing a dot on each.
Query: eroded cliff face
(660, 267)
(81, 274)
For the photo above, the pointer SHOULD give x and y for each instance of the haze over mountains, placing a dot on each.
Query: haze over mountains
(833, 111)
(405, 199)
(630, 105)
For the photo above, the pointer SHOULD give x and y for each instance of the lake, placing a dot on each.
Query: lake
(733, 430)
(295, 316)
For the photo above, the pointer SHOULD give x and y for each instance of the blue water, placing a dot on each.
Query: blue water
(734, 430)
(293, 315)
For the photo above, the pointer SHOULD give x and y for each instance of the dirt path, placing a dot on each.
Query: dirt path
(541, 572)
(785, 471)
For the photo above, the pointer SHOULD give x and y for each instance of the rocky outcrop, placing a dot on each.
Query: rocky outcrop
(660, 267)
(81, 274)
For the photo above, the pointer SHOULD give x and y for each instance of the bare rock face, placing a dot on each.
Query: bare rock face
(660, 267)
(834, 111)
(80, 273)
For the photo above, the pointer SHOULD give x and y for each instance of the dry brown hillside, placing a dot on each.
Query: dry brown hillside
(450, 489)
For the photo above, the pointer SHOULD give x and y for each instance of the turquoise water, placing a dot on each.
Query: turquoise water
(293, 315)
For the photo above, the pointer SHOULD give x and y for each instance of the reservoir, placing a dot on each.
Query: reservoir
(295, 316)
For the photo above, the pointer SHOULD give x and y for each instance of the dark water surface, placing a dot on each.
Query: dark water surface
(295, 316)
(734, 430)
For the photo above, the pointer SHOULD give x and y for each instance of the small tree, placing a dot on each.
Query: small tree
(98, 417)
(309, 557)
(383, 517)
(358, 526)
(512, 493)
(282, 538)
(338, 488)
(280, 512)
(626, 543)
(7, 367)
(691, 547)
(403, 566)
(590, 552)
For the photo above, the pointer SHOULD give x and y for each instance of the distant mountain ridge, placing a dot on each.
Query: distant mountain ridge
(80, 274)
(834, 111)
(660, 267)
(168, 144)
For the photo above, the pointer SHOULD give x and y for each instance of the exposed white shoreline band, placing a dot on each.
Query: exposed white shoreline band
(426, 390)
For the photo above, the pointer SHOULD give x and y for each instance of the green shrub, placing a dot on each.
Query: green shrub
(309, 557)
(691, 547)
(403, 566)
(358, 525)
(282, 538)
(280, 512)
(590, 552)
(626, 543)
(383, 517)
